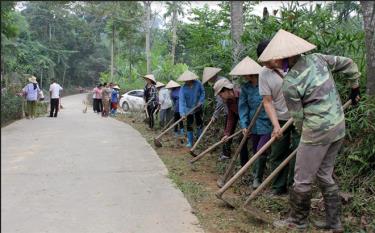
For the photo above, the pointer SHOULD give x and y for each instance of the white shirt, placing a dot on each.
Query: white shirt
(165, 98)
(55, 89)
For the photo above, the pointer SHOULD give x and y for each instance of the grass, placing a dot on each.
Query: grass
(198, 183)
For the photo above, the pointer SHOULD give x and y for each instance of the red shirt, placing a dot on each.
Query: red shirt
(232, 118)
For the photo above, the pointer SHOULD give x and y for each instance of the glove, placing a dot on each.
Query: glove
(354, 93)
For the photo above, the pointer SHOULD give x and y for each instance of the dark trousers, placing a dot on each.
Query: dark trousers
(198, 120)
(97, 105)
(176, 118)
(54, 107)
(150, 110)
(227, 146)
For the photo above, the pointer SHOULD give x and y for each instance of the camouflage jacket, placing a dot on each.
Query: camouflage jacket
(312, 99)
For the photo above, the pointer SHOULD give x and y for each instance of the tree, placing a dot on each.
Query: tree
(368, 8)
(236, 29)
(174, 9)
(148, 34)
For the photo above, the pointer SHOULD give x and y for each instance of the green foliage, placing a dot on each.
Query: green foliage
(11, 108)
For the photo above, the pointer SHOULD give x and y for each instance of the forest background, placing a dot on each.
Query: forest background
(84, 43)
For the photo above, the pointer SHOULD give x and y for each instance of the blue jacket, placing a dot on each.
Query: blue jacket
(175, 95)
(247, 105)
(190, 97)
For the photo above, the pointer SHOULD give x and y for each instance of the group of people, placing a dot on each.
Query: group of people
(287, 84)
(33, 93)
(105, 99)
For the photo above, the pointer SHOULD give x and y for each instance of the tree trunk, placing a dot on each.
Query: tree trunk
(368, 9)
(236, 29)
(174, 33)
(148, 32)
(112, 50)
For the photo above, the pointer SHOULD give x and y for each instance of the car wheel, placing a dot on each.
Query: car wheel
(125, 106)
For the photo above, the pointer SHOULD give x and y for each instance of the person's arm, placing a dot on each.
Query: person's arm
(202, 94)
(218, 108)
(243, 109)
(271, 112)
(294, 104)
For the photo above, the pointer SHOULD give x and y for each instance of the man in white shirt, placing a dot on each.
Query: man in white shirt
(54, 91)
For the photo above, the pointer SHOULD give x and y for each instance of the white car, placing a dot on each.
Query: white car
(132, 101)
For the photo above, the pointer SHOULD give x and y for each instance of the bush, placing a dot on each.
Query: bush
(11, 108)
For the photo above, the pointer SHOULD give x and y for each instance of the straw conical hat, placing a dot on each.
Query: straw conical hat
(159, 84)
(246, 67)
(219, 85)
(208, 73)
(285, 44)
(32, 79)
(151, 77)
(187, 76)
(172, 84)
(116, 87)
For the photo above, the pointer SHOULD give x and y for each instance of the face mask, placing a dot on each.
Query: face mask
(285, 64)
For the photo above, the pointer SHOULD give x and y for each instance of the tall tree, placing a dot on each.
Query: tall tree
(148, 33)
(236, 12)
(174, 8)
(368, 9)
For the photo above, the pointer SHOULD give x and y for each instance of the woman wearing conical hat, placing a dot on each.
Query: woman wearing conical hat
(150, 97)
(191, 95)
(175, 95)
(248, 103)
(314, 103)
(31, 91)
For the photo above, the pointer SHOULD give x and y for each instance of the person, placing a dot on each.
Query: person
(54, 91)
(150, 98)
(115, 95)
(270, 87)
(210, 76)
(95, 99)
(99, 102)
(30, 91)
(309, 90)
(191, 95)
(106, 92)
(165, 103)
(175, 94)
(249, 102)
(110, 86)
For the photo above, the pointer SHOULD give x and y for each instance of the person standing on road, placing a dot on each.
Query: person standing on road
(114, 99)
(54, 91)
(314, 103)
(210, 76)
(106, 95)
(30, 91)
(175, 94)
(150, 98)
(270, 87)
(191, 95)
(165, 105)
(249, 102)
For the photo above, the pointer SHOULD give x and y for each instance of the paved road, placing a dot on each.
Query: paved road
(81, 173)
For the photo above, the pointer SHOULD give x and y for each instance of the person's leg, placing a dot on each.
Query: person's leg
(279, 151)
(199, 121)
(100, 105)
(308, 161)
(52, 107)
(190, 135)
(162, 117)
(294, 141)
(94, 104)
(176, 117)
(244, 153)
(33, 109)
(330, 190)
(260, 164)
(57, 107)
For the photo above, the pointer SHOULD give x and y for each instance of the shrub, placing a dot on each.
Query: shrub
(11, 108)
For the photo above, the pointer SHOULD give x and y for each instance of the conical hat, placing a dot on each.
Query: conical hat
(246, 67)
(285, 44)
(159, 84)
(32, 79)
(172, 84)
(187, 76)
(209, 72)
(151, 77)
(116, 87)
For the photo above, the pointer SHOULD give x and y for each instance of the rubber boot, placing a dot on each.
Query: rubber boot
(190, 138)
(300, 207)
(258, 170)
(332, 206)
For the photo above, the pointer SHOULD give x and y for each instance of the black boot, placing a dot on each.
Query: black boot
(332, 206)
(300, 203)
